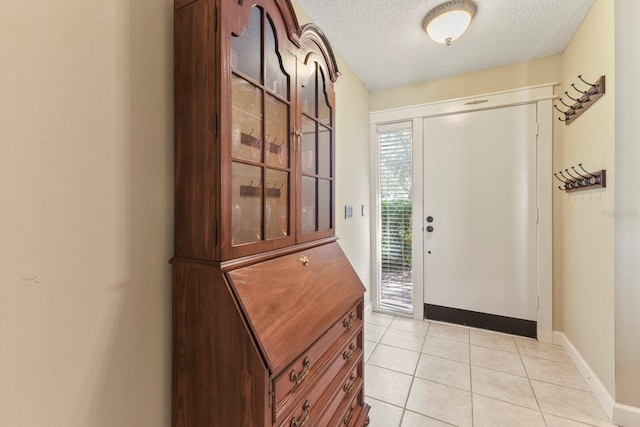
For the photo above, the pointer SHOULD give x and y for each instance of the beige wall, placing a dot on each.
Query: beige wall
(86, 205)
(85, 213)
(352, 166)
(585, 221)
(627, 216)
(353, 172)
(531, 73)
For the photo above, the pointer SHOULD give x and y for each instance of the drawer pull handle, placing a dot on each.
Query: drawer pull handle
(349, 353)
(349, 416)
(349, 384)
(348, 322)
(298, 377)
(306, 408)
(304, 260)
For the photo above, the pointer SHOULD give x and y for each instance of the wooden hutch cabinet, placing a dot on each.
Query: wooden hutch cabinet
(267, 310)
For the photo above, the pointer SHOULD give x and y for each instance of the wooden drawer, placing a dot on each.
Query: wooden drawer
(294, 380)
(351, 414)
(344, 391)
(321, 404)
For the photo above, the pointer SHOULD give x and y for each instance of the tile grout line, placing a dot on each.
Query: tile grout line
(404, 408)
(413, 380)
(535, 396)
(521, 356)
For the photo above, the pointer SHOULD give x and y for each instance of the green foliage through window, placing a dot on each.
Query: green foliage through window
(396, 232)
(395, 218)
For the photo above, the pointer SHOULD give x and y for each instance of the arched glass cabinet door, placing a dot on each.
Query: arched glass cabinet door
(261, 165)
(317, 184)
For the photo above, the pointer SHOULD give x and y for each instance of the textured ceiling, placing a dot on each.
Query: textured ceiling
(385, 45)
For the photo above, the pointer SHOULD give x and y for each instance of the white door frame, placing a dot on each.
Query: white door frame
(542, 96)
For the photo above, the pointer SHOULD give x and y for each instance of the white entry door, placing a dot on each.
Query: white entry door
(480, 202)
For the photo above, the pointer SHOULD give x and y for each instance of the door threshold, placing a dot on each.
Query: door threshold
(493, 322)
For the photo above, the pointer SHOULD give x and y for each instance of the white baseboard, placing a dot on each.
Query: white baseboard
(599, 390)
(622, 415)
(626, 416)
(368, 309)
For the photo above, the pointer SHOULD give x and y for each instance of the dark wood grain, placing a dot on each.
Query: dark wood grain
(313, 39)
(282, 296)
(197, 181)
(218, 374)
(202, 94)
(245, 316)
(324, 361)
(177, 4)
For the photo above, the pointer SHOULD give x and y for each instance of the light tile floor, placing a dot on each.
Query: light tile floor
(436, 374)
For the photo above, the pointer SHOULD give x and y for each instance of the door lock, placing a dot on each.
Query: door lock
(429, 219)
(430, 229)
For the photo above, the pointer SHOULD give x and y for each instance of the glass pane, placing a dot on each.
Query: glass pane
(324, 111)
(309, 91)
(308, 146)
(246, 204)
(324, 152)
(245, 49)
(308, 204)
(276, 206)
(246, 140)
(395, 213)
(275, 80)
(324, 204)
(277, 130)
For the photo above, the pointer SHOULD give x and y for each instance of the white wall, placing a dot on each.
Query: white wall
(85, 213)
(627, 208)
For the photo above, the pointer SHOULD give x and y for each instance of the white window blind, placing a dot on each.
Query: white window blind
(395, 160)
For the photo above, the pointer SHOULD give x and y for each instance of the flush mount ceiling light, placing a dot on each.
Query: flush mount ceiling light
(448, 21)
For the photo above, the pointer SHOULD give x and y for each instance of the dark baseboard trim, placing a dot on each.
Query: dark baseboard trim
(509, 325)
